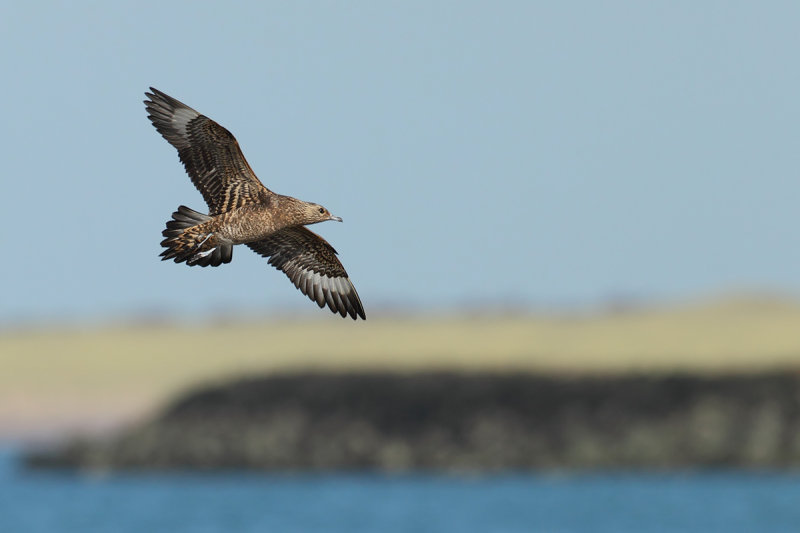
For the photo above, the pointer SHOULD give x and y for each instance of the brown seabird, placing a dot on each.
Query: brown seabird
(243, 211)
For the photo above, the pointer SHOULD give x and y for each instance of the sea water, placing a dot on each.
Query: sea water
(349, 503)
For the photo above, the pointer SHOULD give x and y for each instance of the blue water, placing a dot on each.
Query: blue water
(240, 502)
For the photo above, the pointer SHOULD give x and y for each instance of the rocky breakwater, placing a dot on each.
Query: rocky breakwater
(452, 421)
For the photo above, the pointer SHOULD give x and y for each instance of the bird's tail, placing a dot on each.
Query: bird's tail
(188, 239)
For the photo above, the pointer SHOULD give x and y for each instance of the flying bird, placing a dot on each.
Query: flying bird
(241, 210)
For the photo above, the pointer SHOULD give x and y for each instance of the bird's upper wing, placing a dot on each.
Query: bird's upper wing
(208, 151)
(312, 265)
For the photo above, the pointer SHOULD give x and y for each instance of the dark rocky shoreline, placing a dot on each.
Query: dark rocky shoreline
(463, 422)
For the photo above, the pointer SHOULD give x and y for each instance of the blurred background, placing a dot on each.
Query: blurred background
(572, 225)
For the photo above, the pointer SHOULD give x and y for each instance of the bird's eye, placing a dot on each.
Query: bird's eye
(321, 209)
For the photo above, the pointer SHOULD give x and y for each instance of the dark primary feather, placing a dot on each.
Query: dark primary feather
(312, 265)
(209, 153)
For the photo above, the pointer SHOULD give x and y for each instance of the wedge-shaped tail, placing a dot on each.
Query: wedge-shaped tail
(188, 239)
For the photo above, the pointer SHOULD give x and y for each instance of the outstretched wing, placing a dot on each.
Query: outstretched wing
(208, 151)
(312, 265)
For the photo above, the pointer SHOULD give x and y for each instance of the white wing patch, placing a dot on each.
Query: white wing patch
(181, 118)
(325, 289)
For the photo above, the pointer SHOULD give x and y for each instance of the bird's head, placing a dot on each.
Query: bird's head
(313, 213)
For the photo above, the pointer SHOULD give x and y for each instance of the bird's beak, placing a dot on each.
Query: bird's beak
(337, 219)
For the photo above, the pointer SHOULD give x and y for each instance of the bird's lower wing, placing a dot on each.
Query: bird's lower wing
(312, 265)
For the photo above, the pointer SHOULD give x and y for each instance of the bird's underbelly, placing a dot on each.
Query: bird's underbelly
(243, 226)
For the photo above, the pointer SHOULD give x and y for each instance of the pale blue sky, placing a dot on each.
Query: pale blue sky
(545, 153)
